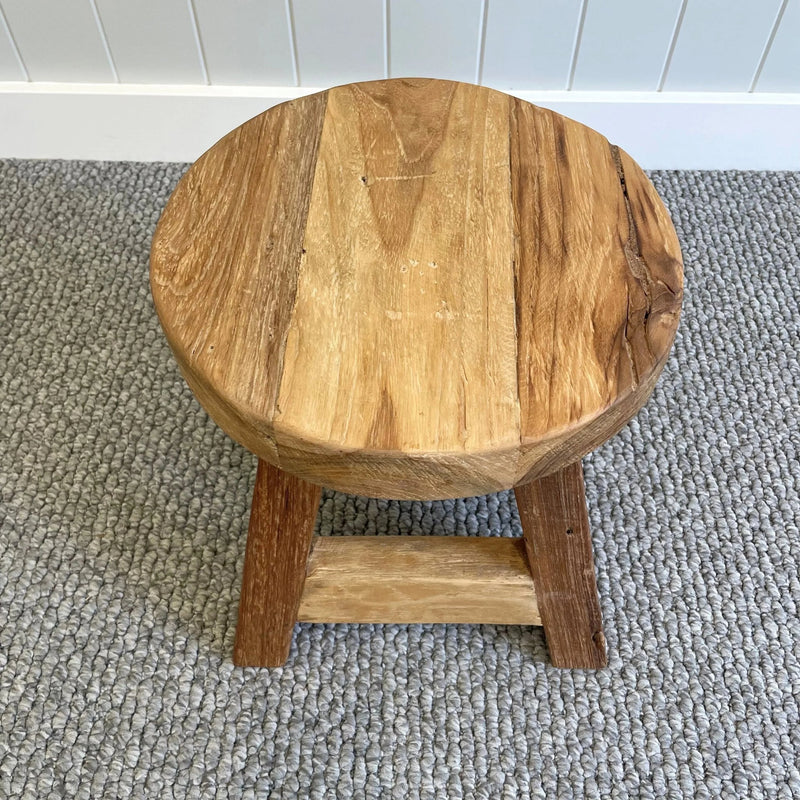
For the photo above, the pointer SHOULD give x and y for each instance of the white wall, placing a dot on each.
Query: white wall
(679, 83)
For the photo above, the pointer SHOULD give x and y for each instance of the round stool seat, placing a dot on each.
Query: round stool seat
(417, 288)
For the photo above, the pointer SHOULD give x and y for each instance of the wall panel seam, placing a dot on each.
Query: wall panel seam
(14, 45)
(201, 53)
(768, 46)
(101, 29)
(292, 32)
(481, 41)
(573, 64)
(387, 63)
(671, 49)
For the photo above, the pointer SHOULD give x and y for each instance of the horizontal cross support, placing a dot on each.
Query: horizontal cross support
(408, 579)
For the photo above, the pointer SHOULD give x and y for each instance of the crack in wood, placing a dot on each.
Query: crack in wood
(637, 266)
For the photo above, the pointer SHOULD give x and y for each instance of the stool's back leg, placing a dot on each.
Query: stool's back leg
(278, 541)
(559, 547)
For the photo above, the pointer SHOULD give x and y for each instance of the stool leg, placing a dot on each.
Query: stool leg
(278, 542)
(559, 548)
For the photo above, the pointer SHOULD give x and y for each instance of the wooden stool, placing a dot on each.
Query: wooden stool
(418, 289)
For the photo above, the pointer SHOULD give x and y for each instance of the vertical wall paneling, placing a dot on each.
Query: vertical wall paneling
(152, 41)
(434, 39)
(292, 40)
(481, 41)
(198, 42)
(338, 41)
(387, 70)
(624, 44)
(529, 43)
(577, 43)
(10, 67)
(781, 70)
(58, 40)
(719, 44)
(104, 39)
(247, 42)
(676, 29)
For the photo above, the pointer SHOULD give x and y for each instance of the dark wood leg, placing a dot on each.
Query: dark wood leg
(278, 541)
(559, 548)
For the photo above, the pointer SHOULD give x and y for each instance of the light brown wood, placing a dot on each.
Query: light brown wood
(417, 288)
(282, 521)
(406, 579)
(224, 264)
(599, 285)
(395, 273)
(556, 533)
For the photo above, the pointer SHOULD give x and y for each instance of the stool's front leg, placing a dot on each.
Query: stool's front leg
(559, 547)
(278, 541)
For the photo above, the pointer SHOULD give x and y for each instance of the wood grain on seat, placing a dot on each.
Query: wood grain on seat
(417, 288)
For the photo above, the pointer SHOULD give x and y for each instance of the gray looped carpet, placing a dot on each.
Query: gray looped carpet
(123, 513)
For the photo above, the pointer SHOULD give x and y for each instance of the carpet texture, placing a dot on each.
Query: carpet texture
(123, 513)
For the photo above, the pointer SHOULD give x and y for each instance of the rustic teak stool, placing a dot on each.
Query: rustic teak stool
(418, 289)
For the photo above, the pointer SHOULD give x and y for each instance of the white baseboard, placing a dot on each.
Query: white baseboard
(697, 130)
